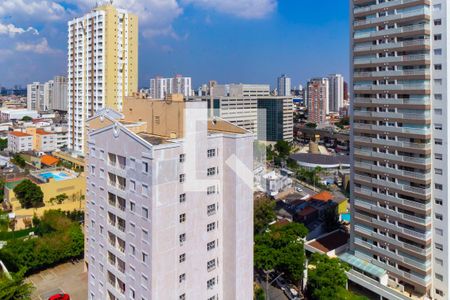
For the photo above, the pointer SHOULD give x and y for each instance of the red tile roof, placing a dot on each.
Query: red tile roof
(42, 132)
(19, 133)
(49, 160)
(309, 210)
(323, 196)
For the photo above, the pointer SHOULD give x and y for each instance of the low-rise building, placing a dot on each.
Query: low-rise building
(273, 183)
(19, 142)
(16, 114)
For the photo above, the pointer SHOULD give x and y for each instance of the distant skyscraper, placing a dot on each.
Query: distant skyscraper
(336, 90)
(318, 98)
(59, 95)
(161, 87)
(35, 96)
(284, 86)
(102, 66)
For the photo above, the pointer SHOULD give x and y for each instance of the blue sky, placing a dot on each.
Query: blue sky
(250, 41)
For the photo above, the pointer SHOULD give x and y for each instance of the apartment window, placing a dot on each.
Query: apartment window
(182, 178)
(437, 22)
(211, 245)
(438, 186)
(438, 201)
(439, 231)
(438, 81)
(182, 278)
(132, 228)
(211, 152)
(182, 218)
(183, 297)
(439, 217)
(212, 298)
(438, 171)
(439, 276)
(438, 156)
(145, 190)
(133, 249)
(438, 37)
(132, 206)
(440, 293)
(132, 294)
(132, 163)
(437, 7)
(211, 265)
(437, 96)
(182, 158)
(210, 227)
(438, 67)
(182, 238)
(145, 167)
(439, 247)
(438, 51)
(438, 126)
(211, 283)
(93, 170)
(132, 185)
(145, 235)
(439, 261)
(145, 212)
(144, 257)
(182, 258)
(211, 190)
(182, 198)
(211, 209)
(211, 171)
(438, 112)
(438, 141)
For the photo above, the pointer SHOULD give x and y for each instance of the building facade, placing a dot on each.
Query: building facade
(336, 92)
(318, 100)
(35, 96)
(400, 153)
(169, 218)
(59, 95)
(160, 87)
(19, 142)
(275, 119)
(284, 86)
(102, 66)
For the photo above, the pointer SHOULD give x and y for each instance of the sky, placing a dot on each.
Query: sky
(231, 41)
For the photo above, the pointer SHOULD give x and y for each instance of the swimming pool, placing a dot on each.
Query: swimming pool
(345, 217)
(56, 175)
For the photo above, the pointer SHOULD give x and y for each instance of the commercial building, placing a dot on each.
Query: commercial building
(160, 87)
(336, 92)
(400, 149)
(251, 107)
(284, 86)
(169, 204)
(7, 115)
(318, 100)
(102, 66)
(35, 96)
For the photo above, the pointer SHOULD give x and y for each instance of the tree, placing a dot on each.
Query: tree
(29, 194)
(331, 219)
(259, 293)
(264, 213)
(2, 189)
(27, 119)
(27, 222)
(61, 198)
(19, 161)
(311, 125)
(15, 288)
(327, 279)
(3, 144)
(284, 149)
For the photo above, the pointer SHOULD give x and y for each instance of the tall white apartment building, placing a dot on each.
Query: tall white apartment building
(400, 153)
(284, 85)
(35, 96)
(336, 92)
(169, 216)
(59, 94)
(48, 95)
(160, 87)
(102, 66)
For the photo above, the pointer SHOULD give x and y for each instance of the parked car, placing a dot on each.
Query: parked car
(292, 292)
(59, 297)
(281, 283)
(299, 189)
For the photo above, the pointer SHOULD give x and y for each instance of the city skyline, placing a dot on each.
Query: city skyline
(176, 33)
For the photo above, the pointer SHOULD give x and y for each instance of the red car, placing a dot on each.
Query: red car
(60, 297)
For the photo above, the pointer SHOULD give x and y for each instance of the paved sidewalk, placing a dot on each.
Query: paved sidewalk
(66, 278)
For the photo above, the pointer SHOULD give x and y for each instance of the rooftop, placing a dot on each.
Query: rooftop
(323, 196)
(152, 139)
(49, 160)
(42, 132)
(307, 211)
(363, 265)
(19, 133)
(330, 242)
(321, 159)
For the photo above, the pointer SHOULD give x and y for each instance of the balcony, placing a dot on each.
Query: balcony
(393, 157)
(391, 115)
(394, 186)
(400, 144)
(394, 172)
(389, 59)
(379, 6)
(417, 131)
(391, 87)
(383, 101)
(386, 32)
(397, 17)
(400, 73)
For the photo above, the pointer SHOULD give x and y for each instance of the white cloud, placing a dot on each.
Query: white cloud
(32, 10)
(12, 30)
(247, 9)
(41, 47)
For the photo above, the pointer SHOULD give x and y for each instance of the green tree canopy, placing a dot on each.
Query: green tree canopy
(264, 213)
(3, 144)
(19, 161)
(15, 288)
(29, 194)
(27, 119)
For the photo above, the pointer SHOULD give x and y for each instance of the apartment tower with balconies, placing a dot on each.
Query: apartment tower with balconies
(400, 134)
(102, 66)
